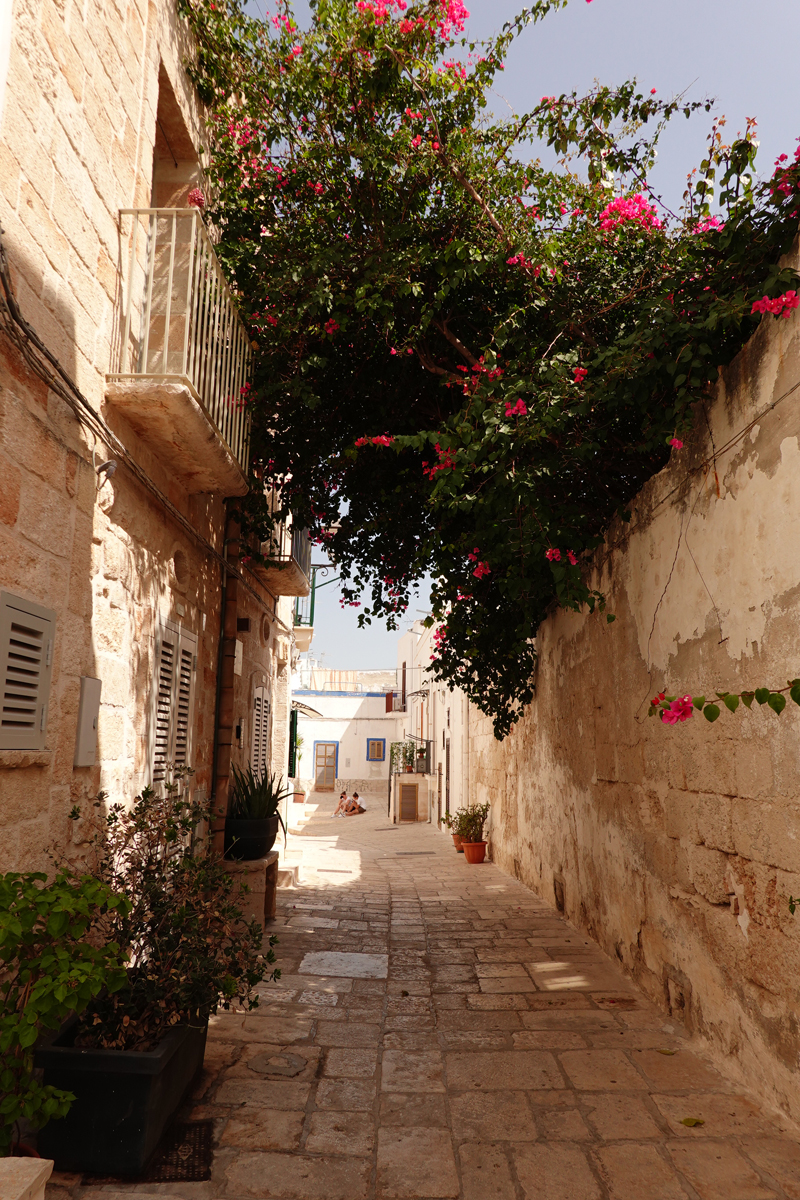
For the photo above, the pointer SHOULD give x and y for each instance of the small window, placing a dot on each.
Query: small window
(26, 657)
(376, 749)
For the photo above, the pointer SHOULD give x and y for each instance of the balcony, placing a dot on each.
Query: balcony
(288, 569)
(304, 616)
(183, 354)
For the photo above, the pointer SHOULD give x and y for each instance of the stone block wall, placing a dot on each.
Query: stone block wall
(80, 140)
(678, 848)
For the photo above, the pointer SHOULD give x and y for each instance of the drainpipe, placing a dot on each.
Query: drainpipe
(465, 751)
(223, 733)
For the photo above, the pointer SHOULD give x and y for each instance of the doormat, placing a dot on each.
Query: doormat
(184, 1155)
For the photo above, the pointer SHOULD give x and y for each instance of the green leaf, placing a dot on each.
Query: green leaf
(777, 702)
(711, 712)
(748, 697)
(795, 693)
(698, 701)
(691, 1122)
(731, 702)
(762, 695)
(610, 617)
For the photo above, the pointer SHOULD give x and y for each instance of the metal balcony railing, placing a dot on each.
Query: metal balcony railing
(304, 606)
(179, 320)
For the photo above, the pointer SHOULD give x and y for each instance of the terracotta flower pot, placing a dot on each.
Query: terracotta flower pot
(474, 852)
(457, 843)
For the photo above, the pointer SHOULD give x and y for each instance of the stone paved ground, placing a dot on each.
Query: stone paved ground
(501, 1056)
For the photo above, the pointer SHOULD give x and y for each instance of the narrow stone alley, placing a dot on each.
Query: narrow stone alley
(438, 1031)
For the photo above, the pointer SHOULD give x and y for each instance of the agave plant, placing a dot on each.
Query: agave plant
(256, 797)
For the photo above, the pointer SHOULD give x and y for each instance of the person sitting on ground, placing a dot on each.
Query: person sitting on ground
(341, 807)
(353, 806)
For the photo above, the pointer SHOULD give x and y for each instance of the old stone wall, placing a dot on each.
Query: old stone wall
(98, 116)
(678, 848)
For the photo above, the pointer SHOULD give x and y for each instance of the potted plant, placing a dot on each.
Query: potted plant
(49, 973)
(132, 1055)
(408, 756)
(251, 825)
(455, 824)
(471, 829)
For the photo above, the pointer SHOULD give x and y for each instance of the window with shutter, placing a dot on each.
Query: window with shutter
(26, 655)
(173, 701)
(259, 759)
(376, 749)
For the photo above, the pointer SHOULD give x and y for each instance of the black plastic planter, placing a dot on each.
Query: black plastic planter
(246, 840)
(124, 1100)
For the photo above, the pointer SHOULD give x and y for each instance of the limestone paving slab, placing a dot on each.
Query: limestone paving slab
(440, 1033)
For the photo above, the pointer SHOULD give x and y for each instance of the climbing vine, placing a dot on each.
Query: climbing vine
(467, 363)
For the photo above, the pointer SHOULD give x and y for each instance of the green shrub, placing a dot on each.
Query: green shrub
(48, 971)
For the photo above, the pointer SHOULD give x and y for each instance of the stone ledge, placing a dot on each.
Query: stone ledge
(24, 1178)
(25, 758)
(168, 417)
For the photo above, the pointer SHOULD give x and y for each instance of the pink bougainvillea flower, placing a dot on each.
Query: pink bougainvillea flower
(482, 569)
(679, 710)
(553, 555)
(520, 409)
(196, 199)
(572, 558)
(331, 326)
(781, 306)
(579, 374)
(676, 442)
(629, 210)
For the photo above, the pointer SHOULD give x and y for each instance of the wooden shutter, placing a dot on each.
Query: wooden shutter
(259, 759)
(26, 656)
(176, 665)
(184, 698)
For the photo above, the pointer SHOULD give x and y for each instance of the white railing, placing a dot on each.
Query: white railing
(179, 319)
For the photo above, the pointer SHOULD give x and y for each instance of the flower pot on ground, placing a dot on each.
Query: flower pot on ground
(470, 823)
(460, 825)
(474, 852)
(132, 1054)
(252, 822)
(124, 1099)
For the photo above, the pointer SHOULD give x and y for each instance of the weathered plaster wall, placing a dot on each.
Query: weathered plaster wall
(677, 848)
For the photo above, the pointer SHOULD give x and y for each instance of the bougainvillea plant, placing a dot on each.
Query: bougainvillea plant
(674, 710)
(467, 363)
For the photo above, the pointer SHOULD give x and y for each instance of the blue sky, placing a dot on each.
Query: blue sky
(740, 52)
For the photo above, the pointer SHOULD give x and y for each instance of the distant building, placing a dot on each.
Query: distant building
(345, 729)
(434, 729)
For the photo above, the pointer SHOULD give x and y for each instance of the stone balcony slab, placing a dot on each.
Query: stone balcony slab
(167, 415)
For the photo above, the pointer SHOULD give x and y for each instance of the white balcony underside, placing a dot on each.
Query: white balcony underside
(166, 413)
(302, 636)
